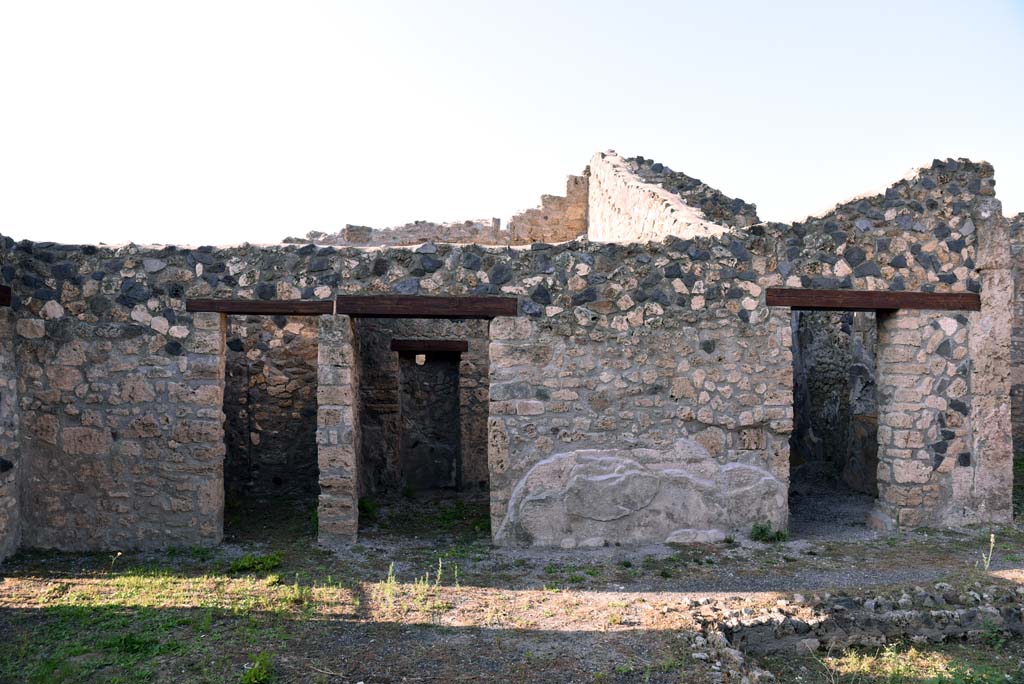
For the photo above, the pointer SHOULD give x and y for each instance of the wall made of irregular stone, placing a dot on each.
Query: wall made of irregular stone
(124, 441)
(270, 407)
(657, 366)
(11, 465)
(379, 397)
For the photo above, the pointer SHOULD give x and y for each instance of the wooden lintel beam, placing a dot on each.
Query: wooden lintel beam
(430, 346)
(5, 295)
(244, 307)
(415, 306)
(864, 300)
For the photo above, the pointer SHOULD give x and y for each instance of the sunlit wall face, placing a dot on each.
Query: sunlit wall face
(198, 122)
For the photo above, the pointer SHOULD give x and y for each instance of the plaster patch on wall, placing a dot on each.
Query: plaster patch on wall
(595, 497)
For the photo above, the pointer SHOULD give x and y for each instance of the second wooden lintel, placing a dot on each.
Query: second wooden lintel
(430, 346)
(870, 300)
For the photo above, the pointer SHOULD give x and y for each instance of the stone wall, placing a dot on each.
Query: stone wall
(270, 406)
(379, 397)
(644, 394)
(479, 232)
(658, 409)
(713, 203)
(123, 440)
(10, 457)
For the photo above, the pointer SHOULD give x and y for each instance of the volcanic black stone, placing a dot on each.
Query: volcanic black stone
(266, 290)
(587, 295)
(854, 255)
(868, 268)
(541, 295)
(429, 263)
(500, 273)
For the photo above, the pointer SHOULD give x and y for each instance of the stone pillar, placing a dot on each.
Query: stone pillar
(10, 466)
(338, 433)
(513, 345)
(984, 493)
(924, 409)
(202, 399)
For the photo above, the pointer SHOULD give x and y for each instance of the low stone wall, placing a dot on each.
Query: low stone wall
(10, 456)
(934, 615)
(557, 219)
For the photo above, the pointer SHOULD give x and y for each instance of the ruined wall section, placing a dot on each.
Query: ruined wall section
(11, 464)
(625, 207)
(938, 230)
(920, 234)
(480, 232)
(270, 406)
(379, 397)
(557, 219)
(713, 203)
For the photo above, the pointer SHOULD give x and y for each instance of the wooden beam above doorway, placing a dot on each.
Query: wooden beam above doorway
(244, 307)
(416, 306)
(430, 346)
(866, 300)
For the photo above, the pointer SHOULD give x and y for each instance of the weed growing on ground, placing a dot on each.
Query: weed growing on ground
(763, 532)
(251, 563)
(986, 559)
(261, 671)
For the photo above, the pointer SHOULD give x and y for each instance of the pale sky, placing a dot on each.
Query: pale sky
(214, 122)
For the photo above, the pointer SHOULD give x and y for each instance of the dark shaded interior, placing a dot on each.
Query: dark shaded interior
(430, 455)
(834, 446)
(270, 408)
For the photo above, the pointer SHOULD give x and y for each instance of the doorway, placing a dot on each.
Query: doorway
(834, 445)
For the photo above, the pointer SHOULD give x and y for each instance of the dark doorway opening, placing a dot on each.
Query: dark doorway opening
(834, 445)
(424, 403)
(270, 409)
(429, 452)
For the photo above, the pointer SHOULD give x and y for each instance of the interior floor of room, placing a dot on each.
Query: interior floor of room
(830, 513)
(427, 514)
